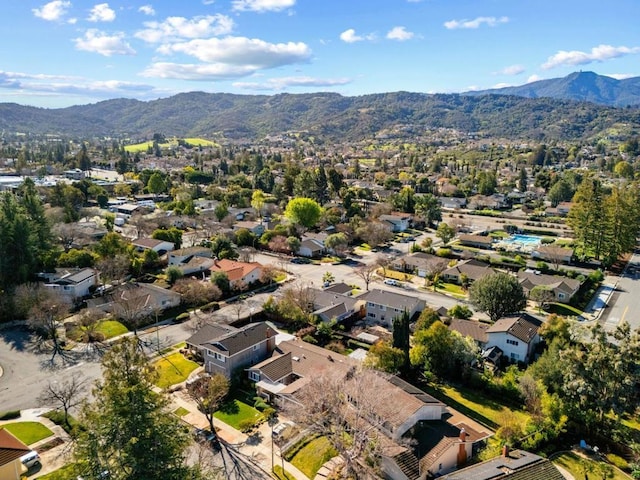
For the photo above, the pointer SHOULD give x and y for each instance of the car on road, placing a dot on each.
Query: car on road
(300, 260)
(392, 282)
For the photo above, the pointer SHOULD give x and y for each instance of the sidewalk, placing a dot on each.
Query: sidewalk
(257, 446)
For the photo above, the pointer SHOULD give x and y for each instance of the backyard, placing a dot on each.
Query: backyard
(580, 466)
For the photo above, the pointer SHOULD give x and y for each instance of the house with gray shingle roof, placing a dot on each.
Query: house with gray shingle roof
(227, 349)
(73, 283)
(516, 336)
(382, 306)
(471, 269)
(563, 288)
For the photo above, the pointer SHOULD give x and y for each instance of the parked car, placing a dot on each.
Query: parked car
(300, 260)
(30, 459)
(391, 281)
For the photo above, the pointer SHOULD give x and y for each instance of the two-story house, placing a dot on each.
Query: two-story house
(72, 284)
(517, 336)
(382, 306)
(227, 349)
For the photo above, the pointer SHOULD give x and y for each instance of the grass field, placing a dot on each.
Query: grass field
(28, 432)
(564, 310)
(235, 412)
(111, 328)
(576, 465)
(64, 473)
(180, 412)
(144, 146)
(174, 369)
(452, 289)
(313, 455)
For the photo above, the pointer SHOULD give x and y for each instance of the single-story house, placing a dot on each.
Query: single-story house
(255, 227)
(563, 288)
(329, 305)
(71, 284)
(471, 269)
(340, 288)
(471, 328)
(311, 248)
(382, 306)
(397, 222)
(563, 208)
(135, 300)
(159, 246)
(452, 202)
(553, 254)
(183, 255)
(227, 351)
(517, 336)
(11, 449)
(516, 464)
(245, 272)
(419, 263)
(477, 241)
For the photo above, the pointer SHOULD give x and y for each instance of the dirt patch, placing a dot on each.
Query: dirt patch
(49, 445)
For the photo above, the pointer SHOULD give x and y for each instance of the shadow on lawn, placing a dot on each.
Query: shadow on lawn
(230, 407)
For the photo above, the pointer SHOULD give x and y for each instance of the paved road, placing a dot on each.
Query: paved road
(625, 301)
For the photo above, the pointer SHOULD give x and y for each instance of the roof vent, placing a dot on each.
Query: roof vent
(296, 359)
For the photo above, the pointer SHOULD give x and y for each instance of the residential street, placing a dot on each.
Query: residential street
(625, 301)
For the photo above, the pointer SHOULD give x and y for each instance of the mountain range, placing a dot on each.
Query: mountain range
(333, 117)
(579, 86)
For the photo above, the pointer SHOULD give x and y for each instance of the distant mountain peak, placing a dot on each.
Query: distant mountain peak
(583, 86)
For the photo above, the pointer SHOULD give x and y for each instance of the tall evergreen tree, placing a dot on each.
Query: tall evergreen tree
(401, 333)
(587, 217)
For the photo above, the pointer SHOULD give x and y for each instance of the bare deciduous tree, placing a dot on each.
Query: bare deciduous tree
(366, 273)
(208, 392)
(45, 318)
(64, 395)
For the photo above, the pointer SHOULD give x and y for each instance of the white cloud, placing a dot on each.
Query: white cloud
(286, 82)
(262, 5)
(400, 34)
(174, 28)
(147, 10)
(72, 21)
(475, 23)
(251, 52)
(512, 70)
(190, 71)
(52, 11)
(349, 36)
(534, 78)
(502, 85)
(208, 2)
(620, 76)
(102, 13)
(597, 54)
(104, 44)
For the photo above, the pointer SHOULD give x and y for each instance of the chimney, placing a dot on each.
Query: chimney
(463, 435)
(505, 451)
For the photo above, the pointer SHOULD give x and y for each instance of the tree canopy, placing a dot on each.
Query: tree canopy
(497, 295)
(303, 211)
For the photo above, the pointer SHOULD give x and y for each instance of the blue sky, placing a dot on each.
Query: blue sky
(67, 52)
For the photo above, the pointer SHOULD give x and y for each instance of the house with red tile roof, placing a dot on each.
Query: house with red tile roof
(11, 449)
(246, 272)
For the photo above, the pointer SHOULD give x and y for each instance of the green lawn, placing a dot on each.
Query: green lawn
(63, 473)
(180, 412)
(282, 474)
(576, 464)
(403, 277)
(173, 369)
(485, 410)
(452, 289)
(235, 412)
(564, 310)
(313, 455)
(111, 328)
(28, 432)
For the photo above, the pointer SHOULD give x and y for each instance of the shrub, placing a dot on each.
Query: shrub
(10, 415)
(310, 339)
(335, 346)
(596, 276)
(210, 307)
(443, 252)
(618, 461)
(246, 425)
(183, 317)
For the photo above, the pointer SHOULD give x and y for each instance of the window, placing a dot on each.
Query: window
(372, 315)
(371, 305)
(254, 376)
(512, 342)
(514, 356)
(383, 308)
(561, 296)
(221, 357)
(382, 317)
(255, 347)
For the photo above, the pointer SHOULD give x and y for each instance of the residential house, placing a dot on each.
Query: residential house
(311, 248)
(255, 227)
(563, 208)
(397, 222)
(135, 300)
(470, 269)
(183, 255)
(227, 351)
(405, 414)
(453, 203)
(159, 246)
(329, 305)
(511, 465)
(476, 241)
(126, 209)
(517, 336)
(11, 449)
(497, 201)
(553, 254)
(238, 272)
(382, 306)
(563, 288)
(73, 283)
(471, 328)
(419, 263)
(340, 288)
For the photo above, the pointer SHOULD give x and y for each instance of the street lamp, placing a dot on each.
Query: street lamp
(251, 309)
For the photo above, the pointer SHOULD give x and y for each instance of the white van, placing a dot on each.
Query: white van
(30, 459)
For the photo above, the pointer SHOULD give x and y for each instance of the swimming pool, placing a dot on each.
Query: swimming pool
(525, 240)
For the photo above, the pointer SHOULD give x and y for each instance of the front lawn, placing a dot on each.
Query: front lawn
(238, 414)
(579, 466)
(111, 328)
(180, 412)
(63, 473)
(564, 310)
(313, 455)
(403, 277)
(452, 289)
(173, 369)
(28, 432)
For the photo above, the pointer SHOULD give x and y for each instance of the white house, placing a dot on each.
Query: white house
(310, 248)
(72, 284)
(516, 336)
(397, 222)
